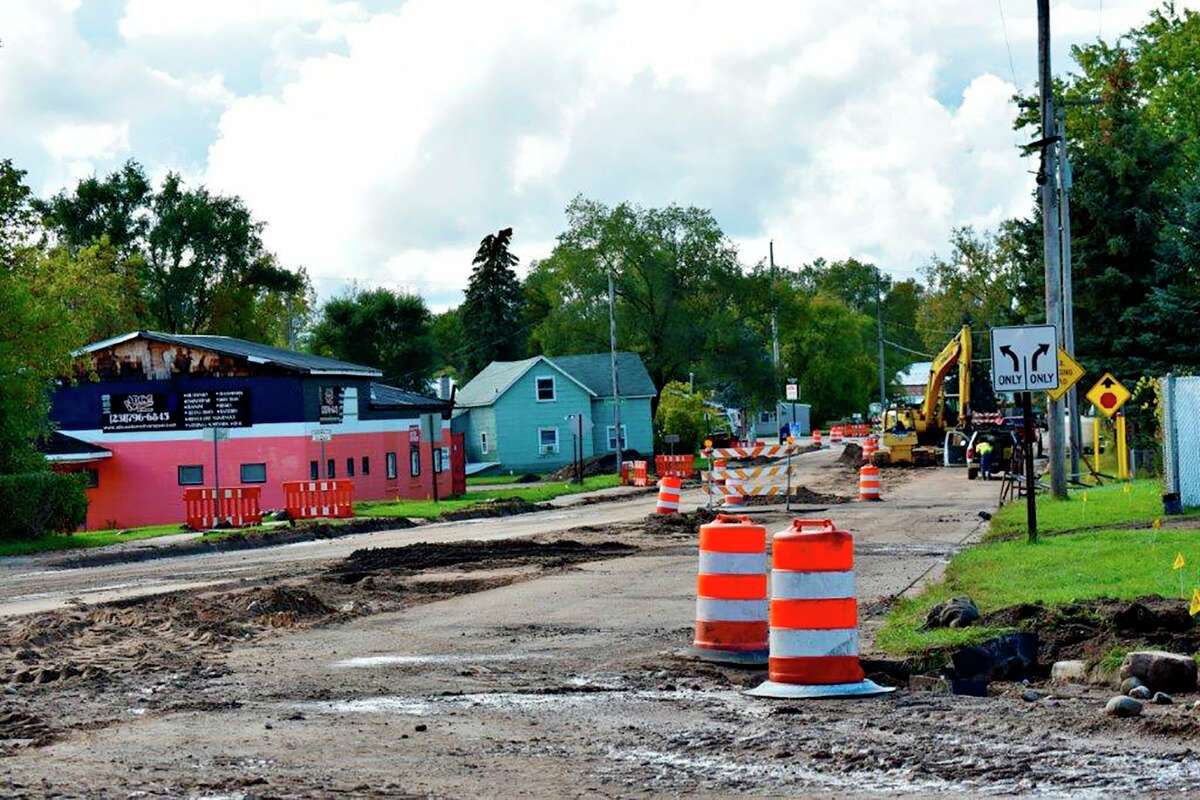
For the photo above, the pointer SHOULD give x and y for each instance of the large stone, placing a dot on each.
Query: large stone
(1161, 671)
(1068, 672)
(1122, 706)
(1140, 693)
(1129, 684)
(958, 612)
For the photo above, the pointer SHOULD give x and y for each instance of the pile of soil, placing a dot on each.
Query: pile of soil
(801, 495)
(598, 465)
(529, 477)
(678, 524)
(1090, 629)
(851, 455)
(501, 507)
(18, 728)
(474, 555)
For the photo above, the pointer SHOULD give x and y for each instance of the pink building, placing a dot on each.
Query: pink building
(135, 420)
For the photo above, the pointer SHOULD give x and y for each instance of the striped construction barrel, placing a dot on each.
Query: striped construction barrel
(668, 495)
(731, 591)
(816, 437)
(868, 482)
(814, 615)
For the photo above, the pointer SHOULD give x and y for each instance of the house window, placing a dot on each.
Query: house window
(414, 460)
(445, 457)
(91, 478)
(350, 467)
(330, 469)
(191, 475)
(545, 389)
(366, 466)
(483, 442)
(314, 470)
(764, 416)
(612, 438)
(547, 440)
(389, 465)
(437, 459)
(254, 473)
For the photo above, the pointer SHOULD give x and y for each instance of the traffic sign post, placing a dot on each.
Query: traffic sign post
(1069, 373)
(791, 392)
(215, 435)
(1025, 359)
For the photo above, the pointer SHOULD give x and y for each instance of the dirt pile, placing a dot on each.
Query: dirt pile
(1088, 630)
(686, 524)
(599, 465)
(852, 455)
(21, 729)
(801, 495)
(473, 555)
(500, 507)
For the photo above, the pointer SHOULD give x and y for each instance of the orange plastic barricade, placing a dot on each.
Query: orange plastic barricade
(816, 437)
(312, 499)
(639, 474)
(835, 434)
(675, 466)
(237, 506)
(868, 483)
(731, 592)
(814, 616)
(668, 495)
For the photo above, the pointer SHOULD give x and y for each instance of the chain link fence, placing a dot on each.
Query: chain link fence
(1180, 399)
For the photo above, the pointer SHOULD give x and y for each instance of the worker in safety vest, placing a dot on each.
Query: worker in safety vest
(985, 458)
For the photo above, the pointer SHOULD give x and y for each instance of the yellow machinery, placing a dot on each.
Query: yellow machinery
(904, 427)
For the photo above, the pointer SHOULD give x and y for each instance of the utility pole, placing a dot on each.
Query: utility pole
(879, 336)
(1047, 176)
(612, 349)
(1068, 306)
(774, 318)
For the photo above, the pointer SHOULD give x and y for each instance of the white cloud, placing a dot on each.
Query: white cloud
(87, 140)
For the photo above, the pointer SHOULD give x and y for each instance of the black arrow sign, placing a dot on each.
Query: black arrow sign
(1107, 383)
(1006, 350)
(1043, 348)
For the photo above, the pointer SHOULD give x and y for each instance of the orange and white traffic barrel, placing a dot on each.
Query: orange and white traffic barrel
(816, 437)
(734, 499)
(814, 616)
(868, 482)
(835, 434)
(731, 592)
(869, 448)
(668, 495)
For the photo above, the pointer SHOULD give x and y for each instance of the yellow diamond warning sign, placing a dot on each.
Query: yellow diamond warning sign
(1069, 373)
(1108, 395)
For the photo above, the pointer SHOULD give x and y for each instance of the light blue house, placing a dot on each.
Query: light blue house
(523, 416)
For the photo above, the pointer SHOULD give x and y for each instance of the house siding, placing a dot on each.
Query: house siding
(635, 417)
(473, 422)
(518, 415)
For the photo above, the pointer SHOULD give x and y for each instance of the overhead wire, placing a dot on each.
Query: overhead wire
(1004, 26)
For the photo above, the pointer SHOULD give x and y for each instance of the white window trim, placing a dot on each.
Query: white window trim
(610, 431)
(553, 388)
(483, 443)
(540, 445)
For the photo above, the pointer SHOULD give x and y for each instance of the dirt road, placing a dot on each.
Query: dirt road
(546, 670)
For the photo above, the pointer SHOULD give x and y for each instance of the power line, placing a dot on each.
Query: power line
(1004, 26)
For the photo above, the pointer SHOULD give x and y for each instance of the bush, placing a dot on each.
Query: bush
(682, 412)
(36, 503)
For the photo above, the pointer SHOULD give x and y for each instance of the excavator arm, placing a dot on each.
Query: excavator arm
(956, 351)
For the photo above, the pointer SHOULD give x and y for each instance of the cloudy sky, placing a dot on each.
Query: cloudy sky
(380, 141)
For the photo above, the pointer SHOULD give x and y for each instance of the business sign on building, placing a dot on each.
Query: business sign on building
(220, 408)
(331, 406)
(143, 411)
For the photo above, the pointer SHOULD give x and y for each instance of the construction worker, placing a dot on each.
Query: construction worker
(985, 458)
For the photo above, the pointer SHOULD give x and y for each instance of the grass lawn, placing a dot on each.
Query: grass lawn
(491, 480)
(534, 493)
(75, 541)
(1060, 569)
(1113, 504)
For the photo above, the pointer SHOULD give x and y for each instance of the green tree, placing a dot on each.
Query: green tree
(380, 328)
(491, 310)
(450, 344)
(681, 411)
(829, 347)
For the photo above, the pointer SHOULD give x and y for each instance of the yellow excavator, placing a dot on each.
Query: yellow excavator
(905, 426)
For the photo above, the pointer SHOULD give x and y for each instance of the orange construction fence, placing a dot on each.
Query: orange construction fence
(675, 466)
(634, 473)
(238, 507)
(310, 499)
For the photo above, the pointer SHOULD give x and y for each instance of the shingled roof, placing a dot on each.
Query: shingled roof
(592, 371)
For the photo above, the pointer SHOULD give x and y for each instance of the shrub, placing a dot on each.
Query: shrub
(36, 503)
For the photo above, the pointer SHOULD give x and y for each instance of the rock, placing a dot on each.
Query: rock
(1140, 693)
(1031, 696)
(929, 683)
(1122, 706)
(1010, 657)
(1160, 670)
(1196, 706)
(957, 612)
(1068, 672)
(1129, 684)
(421, 728)
(1162, 699)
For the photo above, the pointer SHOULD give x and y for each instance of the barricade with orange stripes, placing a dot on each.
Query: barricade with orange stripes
(675, 466)
(668, 495)
(311, 499)
(239, 506)
(835, 434)
(814, 616)
(868, 483)
(816, 437)
(731, 592)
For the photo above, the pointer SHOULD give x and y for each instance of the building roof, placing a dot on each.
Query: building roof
(591, 372)
(59, 447)
(917, 374)
(253, 352)
(384, 396)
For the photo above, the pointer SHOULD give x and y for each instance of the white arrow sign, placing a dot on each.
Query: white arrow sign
(1025, 358)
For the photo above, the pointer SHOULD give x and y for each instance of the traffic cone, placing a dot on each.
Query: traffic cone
(868, 482)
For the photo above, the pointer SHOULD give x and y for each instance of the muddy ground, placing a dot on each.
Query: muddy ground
(542, 665)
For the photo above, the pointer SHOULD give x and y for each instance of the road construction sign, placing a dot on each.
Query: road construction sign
(1108, 395)
(1069, 373)
(1023, 358)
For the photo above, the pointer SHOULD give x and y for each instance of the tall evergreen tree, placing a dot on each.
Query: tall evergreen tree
(491, 311)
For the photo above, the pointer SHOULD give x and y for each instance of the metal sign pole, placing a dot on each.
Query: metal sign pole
(1030, 493)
